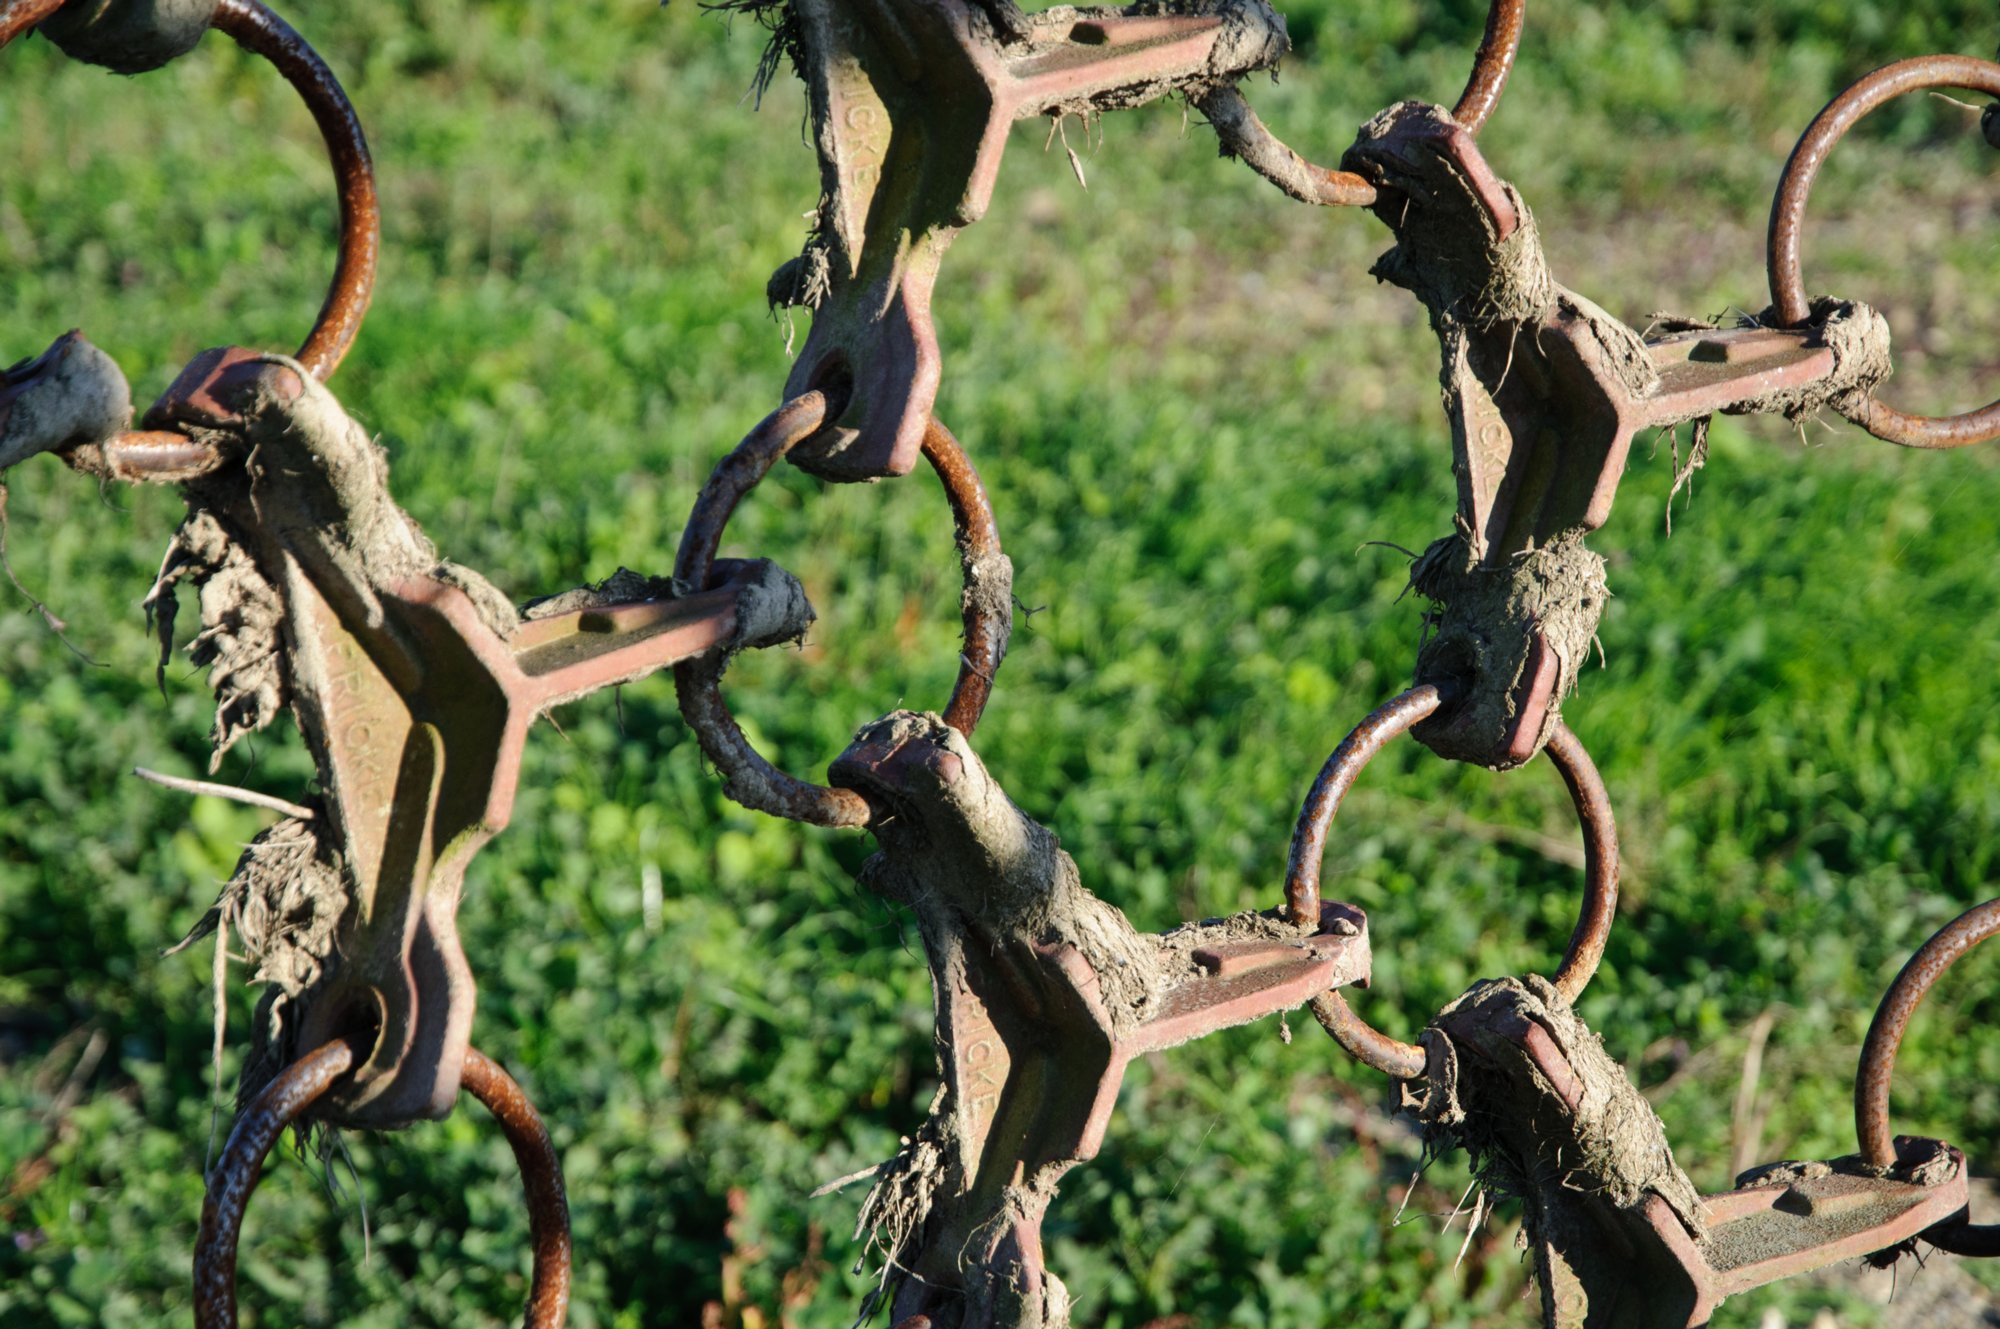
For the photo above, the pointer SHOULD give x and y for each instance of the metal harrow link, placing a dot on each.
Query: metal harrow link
(414, 681)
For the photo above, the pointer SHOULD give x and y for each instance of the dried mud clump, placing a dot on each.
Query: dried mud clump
(1483, 642)
(1598, 1136)
(1566, 1133)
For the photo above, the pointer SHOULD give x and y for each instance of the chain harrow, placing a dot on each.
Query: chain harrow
(414, 682)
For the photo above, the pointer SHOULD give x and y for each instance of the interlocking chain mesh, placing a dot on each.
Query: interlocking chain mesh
(414, 681)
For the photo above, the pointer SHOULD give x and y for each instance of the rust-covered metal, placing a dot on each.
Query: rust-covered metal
(255, 28)
(1243, 135)
(1600, 863)
(1545, 390)
(541, 1177)
(1875, 1076)
(258, 30)
(1492, 64)
(1366, 1044)
(1044, 995)
(19, 16)
(290, 1099)
(415, 692)
(1335, 779)
(423, 717)
(415, 682)
(986, 607)
(987, 610)
(1620, 1238)
(1787, 242)
(911, 103)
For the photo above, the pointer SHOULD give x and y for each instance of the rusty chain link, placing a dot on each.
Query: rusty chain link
(1245, 136)
(1405, 1061)
(1788, 216)
(987, 608)
(291, 1096)
(408, 673)
(1876, 1073)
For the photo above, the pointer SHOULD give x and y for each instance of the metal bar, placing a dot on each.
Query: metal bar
(752, 780)
(986, 628)
(236, 1174)
(541, 1173)
(146, 456)
(698, 683)
(1600, 862)
(18, 16)
(255, 28)
(1245, 136)
(1788, 213)
(1342, 769)
(1490, 68)
(1366, 1044)
(291, 1095)
(1876, 1074)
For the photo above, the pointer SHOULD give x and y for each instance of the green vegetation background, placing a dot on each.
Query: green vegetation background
(1194, 409)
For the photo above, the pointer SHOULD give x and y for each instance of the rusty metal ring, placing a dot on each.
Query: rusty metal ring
(291, 1095)
(261, 32)
(1244, 135)
(1788, 212)
(752, 780)
(1405, 1061)
(1877, 1071)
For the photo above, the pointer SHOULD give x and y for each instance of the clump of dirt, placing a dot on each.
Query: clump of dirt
(622, 587)
(242, 624)
(1449, 252)
(1484, 640)
(70, 395)
(1859, 337)
(1569, 1135)
(129, 36)
(1486, 1095)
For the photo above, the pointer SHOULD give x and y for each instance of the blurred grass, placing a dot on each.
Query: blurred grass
(1193, 408)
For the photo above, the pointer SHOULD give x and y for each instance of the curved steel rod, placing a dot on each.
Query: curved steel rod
(1244, 135)
(241, 1166)
(1490, 68)
(1600, 862)
(1877, 1071)
(1342, 769)
(291, 1095)
(752, 780)
(1362, 1041)
(1788, 214)
(541, 1175)
(255, 28)
(987, 626)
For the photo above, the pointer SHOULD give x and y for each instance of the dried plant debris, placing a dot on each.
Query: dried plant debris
(285, 902)
(241, 639)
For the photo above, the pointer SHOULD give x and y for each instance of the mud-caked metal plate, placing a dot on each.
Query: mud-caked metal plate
(423, 716)
(1638, 1261)
(911, 103)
